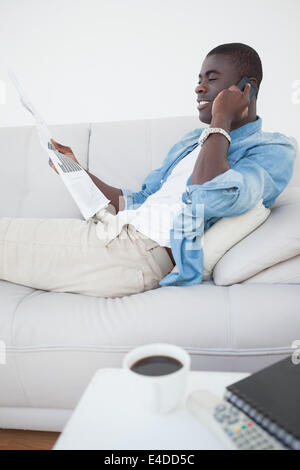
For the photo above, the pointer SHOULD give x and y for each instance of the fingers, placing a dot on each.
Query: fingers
(52, 166)
(62, 148)
(234, 87)
(57, 145)
(246, 91)
(54, 143)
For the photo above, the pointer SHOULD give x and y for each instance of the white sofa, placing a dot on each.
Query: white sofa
(56, 341)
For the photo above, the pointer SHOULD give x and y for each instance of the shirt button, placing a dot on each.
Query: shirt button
(161, 180)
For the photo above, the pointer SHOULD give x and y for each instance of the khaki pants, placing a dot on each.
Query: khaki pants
(67, 255)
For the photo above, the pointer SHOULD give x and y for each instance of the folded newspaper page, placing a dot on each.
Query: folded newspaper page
(85, 193)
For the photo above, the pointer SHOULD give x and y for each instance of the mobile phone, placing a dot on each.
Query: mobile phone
(253, 89)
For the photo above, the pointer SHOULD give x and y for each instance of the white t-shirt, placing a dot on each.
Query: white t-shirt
(154, 218)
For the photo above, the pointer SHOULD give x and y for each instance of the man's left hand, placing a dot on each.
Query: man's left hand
(232, 103)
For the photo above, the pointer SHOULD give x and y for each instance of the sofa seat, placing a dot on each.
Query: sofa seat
(56, 341)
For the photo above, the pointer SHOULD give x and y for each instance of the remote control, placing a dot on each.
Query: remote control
(233, 427)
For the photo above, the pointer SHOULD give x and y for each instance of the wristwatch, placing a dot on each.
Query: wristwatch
(212, 130)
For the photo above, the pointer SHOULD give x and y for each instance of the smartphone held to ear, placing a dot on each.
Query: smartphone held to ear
(253, 89)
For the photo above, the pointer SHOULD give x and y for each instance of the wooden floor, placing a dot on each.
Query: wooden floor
(13, 439)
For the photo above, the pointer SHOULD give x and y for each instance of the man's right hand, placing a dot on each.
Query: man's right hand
(67, 151)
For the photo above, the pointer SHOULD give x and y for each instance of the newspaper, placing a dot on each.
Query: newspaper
(85, 193)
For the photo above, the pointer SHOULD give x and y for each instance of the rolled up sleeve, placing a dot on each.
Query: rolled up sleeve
(263, 173)
(230, 193)
(133, 199)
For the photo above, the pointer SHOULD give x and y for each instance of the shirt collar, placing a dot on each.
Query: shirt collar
(247, 129)
(190, 140)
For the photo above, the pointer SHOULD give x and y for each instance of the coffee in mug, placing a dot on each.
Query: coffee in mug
(156, 365)
(159, 374)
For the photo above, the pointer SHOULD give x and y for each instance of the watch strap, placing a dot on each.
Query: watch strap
(213, 130)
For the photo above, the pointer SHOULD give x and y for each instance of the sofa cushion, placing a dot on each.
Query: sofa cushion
(228, 231)
(225, 233)
(277, 240)
(286, 272)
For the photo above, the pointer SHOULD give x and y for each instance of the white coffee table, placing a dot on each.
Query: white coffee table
(107, 416)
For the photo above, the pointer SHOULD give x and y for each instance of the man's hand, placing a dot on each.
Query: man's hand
(65, 151)
(232, 103)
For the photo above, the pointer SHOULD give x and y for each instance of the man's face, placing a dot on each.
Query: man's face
(211, 83)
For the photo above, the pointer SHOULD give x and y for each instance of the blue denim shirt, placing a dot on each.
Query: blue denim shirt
(261, 165)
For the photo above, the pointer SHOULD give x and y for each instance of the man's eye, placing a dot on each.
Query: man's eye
(210, 80)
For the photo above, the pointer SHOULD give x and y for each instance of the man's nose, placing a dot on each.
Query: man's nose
(201, 88)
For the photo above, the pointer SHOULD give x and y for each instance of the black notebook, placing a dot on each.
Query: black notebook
(271, 397)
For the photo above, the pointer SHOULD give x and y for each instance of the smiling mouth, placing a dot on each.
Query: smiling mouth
(203, 104)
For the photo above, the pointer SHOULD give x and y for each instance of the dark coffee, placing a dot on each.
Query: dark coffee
(156, 365)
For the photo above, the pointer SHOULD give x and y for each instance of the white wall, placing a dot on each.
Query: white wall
(107, 60)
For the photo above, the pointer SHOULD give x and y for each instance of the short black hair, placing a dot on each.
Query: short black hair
(244, 57)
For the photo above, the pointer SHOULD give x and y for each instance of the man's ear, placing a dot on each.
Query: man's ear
(253, 80)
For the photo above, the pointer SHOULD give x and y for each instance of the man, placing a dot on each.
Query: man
(227, 175)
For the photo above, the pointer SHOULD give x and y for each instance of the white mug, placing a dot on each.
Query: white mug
(159, 393)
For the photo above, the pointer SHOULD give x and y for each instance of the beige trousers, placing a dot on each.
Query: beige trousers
(68, 255)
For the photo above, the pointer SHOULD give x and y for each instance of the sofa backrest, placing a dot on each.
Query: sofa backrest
(28, 185)
(120, 153)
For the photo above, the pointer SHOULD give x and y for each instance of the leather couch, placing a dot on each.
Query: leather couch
(54, 342)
